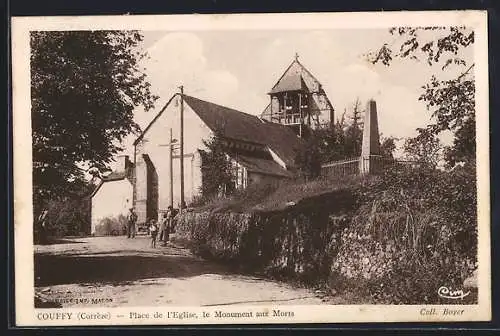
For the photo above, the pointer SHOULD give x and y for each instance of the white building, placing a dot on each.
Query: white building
(259, 150)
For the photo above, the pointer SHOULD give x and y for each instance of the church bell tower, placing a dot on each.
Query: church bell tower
(299, 101)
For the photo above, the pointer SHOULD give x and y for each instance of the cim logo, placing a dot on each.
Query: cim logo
(448, 293)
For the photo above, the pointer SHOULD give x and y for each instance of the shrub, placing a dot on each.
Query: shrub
(68, 217)
(111, 226)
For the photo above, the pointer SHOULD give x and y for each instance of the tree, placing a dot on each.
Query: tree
(387, 147)
(216, 172)
(448, 197)
(451, 101)
(354, 132)
(328, 142)
(85, 86)
(310, 156)
(331, 143)
(424, 148)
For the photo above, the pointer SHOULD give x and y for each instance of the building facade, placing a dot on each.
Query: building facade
(257, 150)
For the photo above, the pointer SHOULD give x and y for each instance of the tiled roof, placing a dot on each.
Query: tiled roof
(246, 127)
(114, 176)
(282, 140)
(231, 123)
(237, 125)
(296, 77)
(263, 166)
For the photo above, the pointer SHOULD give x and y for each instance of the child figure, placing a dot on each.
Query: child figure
(153, 230)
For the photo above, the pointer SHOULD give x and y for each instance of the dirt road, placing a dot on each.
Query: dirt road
(117, 272)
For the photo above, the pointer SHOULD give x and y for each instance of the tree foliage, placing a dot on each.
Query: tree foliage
(84, 88)
(215, 168)
(354, 131)
(450, 98)
(68, 217)
(308, 158)
(342, 140)
(387, 147)
(424, 148)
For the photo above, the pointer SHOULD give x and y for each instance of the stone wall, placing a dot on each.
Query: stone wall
(300, 242)
(362, 258)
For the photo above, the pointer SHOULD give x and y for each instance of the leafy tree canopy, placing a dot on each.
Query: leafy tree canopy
(388, 146)
(215, 167)
(424, 148)
(84, 88)
(450, 98)
(340, 141)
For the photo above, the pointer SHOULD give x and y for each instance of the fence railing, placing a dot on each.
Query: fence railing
(341, 168)
(373, 164)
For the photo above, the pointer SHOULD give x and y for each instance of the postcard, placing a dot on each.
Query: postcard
(251, 168)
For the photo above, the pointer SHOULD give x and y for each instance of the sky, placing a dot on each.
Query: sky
(238, 68)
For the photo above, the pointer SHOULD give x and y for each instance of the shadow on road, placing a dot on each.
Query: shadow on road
(116, 269)
(56, 241)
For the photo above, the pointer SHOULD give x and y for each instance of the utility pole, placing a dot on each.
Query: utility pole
(181, 148)
(171, 168)
(172, 145)
(300, 111)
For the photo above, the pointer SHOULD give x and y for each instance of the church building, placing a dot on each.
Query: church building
(257, 149)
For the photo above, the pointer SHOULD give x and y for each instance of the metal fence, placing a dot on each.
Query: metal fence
(341, 168)
(374, 164)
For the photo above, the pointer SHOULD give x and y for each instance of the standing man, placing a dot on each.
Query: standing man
(163, 224)
(168, 227)
(131, 220)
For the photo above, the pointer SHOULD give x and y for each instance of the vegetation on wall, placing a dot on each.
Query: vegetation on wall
(392, 238)
(427, 219)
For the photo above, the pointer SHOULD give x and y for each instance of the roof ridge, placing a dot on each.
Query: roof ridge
(302, 69)
(154, 119)
(223, 106)
(283, 75)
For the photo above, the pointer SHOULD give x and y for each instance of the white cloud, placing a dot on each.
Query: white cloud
(179, 59)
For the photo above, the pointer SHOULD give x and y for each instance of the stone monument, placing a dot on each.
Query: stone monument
(370, 162)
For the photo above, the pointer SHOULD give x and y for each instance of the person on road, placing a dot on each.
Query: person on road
(164, 229)
(171, 219)
(131, 220)
(153, 230)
